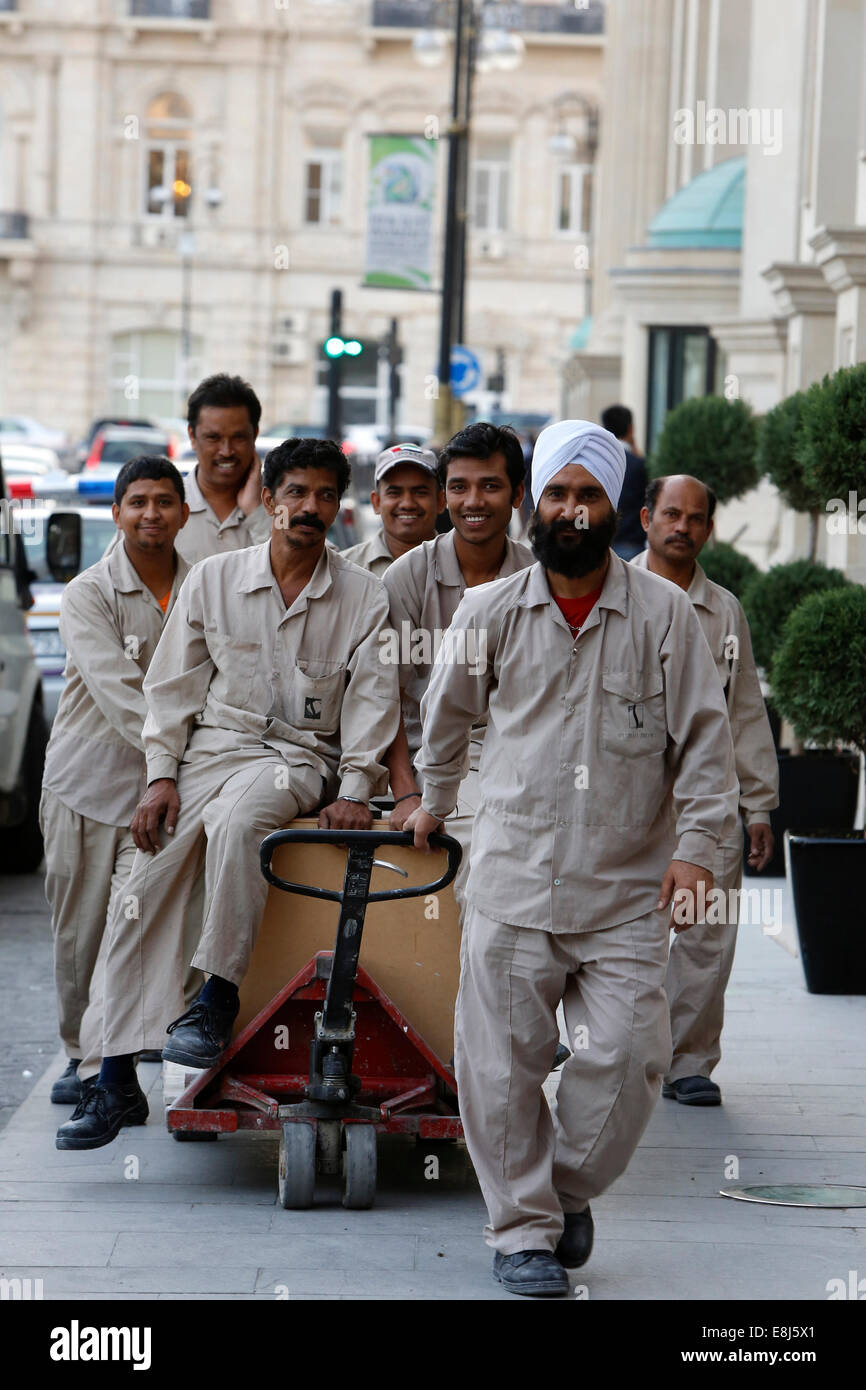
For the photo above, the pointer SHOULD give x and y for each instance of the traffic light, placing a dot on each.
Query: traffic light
(337, 347)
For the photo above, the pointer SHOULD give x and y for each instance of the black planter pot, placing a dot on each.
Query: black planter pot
(828, 876)
(775, 723)
(817, 791)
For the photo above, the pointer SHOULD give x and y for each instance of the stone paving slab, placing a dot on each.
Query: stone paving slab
(202, 1221)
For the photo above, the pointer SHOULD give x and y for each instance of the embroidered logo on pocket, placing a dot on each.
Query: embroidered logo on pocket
(312, 707)
(636, 716)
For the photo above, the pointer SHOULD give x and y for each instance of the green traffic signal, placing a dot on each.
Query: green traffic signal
(336, 347)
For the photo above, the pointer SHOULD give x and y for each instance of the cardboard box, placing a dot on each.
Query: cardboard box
(411, 948)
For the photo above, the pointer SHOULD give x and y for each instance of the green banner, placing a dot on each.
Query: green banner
(400, 212)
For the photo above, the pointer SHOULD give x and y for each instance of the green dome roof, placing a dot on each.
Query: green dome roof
(707, 212)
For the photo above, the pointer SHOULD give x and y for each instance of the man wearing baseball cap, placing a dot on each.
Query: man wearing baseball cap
(408, 498)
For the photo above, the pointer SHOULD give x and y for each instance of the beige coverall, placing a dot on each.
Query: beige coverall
(260, 712)
(588, 741)
(425, 587)
(700, 961)
(372, 555)
(110, 624)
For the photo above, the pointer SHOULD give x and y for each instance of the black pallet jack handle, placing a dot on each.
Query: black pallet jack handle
(363, 839)
(335, 1029)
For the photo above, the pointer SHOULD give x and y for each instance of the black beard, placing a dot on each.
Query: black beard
(574, 561)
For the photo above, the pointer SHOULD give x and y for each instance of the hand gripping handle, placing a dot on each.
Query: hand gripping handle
(369, 838)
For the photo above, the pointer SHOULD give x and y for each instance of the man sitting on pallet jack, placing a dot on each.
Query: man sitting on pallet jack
(267, 693)
(605, 714)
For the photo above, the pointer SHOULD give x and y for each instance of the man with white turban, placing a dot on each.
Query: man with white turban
(603, 709)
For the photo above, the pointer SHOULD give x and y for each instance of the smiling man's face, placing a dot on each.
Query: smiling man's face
(408, 500)
(225, 445)
(479, 497)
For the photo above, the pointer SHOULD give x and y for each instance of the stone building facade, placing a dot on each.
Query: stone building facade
(738, 253)
(183, 183)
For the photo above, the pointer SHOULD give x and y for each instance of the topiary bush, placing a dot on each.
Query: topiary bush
(729, 567)
(831, 444)
(818, 673)
(770, 598)
(779, 436)
(713, 439)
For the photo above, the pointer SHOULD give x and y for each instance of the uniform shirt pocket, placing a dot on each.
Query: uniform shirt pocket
(316, 696)
(237, 664)
(633, 713)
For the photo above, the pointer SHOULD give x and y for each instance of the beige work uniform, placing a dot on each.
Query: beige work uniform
(589, 742)
(260, 713)
(110, 624)
(425, 587)
(700, 960)
(372, 555)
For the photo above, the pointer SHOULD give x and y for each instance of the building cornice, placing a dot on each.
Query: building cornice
(799, 288)
(750, 335)
(840, 253)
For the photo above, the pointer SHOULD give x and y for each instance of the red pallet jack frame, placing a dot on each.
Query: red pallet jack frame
(332, 1017)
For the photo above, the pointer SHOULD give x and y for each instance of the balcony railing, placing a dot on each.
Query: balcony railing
(562, 18)
(14, 226)
(170, 9)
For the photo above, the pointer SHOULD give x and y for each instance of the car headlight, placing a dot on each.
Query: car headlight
(47, 642)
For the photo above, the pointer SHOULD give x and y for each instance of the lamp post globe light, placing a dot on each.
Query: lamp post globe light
(483, 44)
(213, 197)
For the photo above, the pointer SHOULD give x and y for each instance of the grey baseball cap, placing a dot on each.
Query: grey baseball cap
(404, 453)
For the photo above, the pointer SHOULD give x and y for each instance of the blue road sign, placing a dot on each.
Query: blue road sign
(465, 370)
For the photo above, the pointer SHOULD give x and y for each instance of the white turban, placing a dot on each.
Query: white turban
(578, 441)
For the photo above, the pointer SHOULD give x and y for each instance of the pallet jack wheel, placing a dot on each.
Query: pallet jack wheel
(359, 1167)
(297, 1172)
(194, 1136)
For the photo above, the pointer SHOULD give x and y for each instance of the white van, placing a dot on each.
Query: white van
(23, 734)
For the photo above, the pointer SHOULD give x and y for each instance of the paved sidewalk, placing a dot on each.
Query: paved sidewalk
(202, 1221)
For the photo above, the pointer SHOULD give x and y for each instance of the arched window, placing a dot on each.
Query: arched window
(168, 157)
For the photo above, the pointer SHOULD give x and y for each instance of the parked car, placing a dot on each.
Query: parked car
(23, 732)
(115, 445)
(82, 449)
(21, 429)
(43, 618)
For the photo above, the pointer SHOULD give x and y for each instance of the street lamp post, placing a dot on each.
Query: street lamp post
(453, 259)
(477, 44)
(186, 247)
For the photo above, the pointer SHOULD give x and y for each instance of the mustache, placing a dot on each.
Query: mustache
(307, 521)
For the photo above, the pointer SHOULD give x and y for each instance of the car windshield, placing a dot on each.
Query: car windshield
(96, 532)
(122, 450)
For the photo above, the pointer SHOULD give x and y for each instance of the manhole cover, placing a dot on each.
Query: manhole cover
(796, 1194)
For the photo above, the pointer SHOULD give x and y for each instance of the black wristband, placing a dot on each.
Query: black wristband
(405, 797)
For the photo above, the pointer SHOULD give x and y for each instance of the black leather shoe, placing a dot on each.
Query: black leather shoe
(536, 1273)
(151, 1054)
(575, 1243)
(67, 1088)
(561, 1055)
(101, 1113)
(693, 1090)
(200, 1036)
